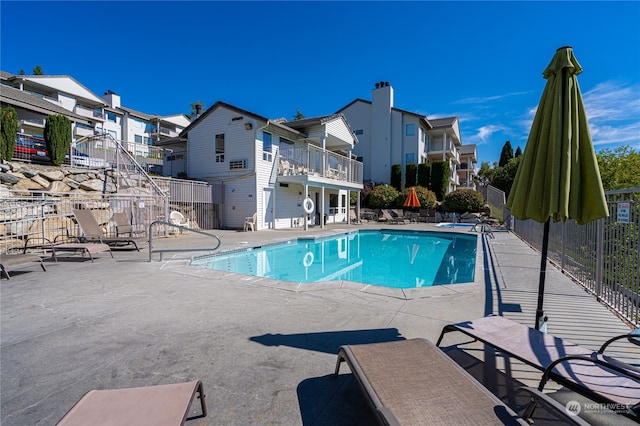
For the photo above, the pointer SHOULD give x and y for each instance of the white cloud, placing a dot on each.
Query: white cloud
(613, 111)
(486, 99)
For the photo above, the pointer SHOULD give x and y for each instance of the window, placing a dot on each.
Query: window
(111, 117)
(266, 142)
(148, 140)
(220, 148)
(410, 130)
(138, 123)
(410, 158)
(137, 138)
(266, 147)
(237, 164)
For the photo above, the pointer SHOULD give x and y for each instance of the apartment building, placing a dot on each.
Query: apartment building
(43, 95)
(388, 135)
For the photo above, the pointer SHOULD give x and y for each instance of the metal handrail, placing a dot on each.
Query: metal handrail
(162, 222)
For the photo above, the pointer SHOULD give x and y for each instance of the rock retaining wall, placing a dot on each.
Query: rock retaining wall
(23, 179)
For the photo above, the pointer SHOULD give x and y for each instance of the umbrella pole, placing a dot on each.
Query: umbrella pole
(543, 270)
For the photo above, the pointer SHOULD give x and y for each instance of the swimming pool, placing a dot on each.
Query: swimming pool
(388, 258)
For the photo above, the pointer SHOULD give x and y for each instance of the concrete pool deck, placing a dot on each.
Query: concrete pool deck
(264, 350)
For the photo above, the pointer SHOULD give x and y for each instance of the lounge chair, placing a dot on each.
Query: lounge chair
(125, 227)
(11, 261)
(91, 231)
(412, 382)
(391, 218)
(152, 405)
(427, 215)
(592, 374)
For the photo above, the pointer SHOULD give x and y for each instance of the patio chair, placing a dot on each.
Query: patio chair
(412, 382)
(592, 374)
(152, 405)
(91, 231)
(250, 222)
(177, 218)
(13, 260)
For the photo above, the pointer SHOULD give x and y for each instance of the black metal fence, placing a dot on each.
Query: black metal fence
(603, 256)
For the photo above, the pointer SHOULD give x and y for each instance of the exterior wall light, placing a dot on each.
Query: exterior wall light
(248, 126)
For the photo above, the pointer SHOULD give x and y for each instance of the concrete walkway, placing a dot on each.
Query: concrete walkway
(265, 350)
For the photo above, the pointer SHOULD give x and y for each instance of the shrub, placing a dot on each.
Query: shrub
(424, 175)
(440, 172)
(383, 196)
(426, 197)
(464, 200)
(57, 135)
(410, 176)
(8, 132)
(396, 176)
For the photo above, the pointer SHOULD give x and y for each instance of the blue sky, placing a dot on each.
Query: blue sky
(480, 61)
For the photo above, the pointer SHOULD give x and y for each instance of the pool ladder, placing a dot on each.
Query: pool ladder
(176, 250)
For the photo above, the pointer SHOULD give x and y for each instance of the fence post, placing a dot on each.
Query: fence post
(563, 254)
(599, 257)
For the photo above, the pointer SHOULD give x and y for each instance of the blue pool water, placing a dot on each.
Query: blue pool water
(398, 259)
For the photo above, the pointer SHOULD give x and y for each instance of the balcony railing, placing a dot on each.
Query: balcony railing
(314, 161)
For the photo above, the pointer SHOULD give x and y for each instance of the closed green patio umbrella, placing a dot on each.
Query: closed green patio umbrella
(558, 176)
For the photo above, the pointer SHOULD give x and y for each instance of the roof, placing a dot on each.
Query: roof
(61, 83)
(135, 113)
(422, 118)
(314, 121)
(220, 104)
(443, 122)
(15, 97)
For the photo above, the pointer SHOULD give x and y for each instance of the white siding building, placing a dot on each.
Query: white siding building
(270, 167)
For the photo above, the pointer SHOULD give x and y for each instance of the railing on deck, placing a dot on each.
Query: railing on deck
(603, 256)
(314, 161)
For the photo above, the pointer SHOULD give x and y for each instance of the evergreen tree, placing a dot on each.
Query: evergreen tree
(298, 115)
(8, 132)
(396, 176)
(57, 135)
(410, 175)
(424, 175)
(506, 154)
(518, 152)
(440, 172)
(37, 70)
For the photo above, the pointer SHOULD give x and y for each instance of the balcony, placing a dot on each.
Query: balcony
(311, 164)
(439, 151)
